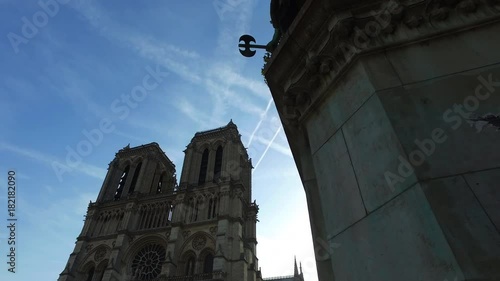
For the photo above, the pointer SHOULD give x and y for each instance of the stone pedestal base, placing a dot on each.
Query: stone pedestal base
(401, 178)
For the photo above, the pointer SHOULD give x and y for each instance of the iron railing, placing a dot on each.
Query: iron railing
(213, 276)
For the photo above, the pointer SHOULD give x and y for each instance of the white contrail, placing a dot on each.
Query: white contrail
(264, 115)
(267, 148)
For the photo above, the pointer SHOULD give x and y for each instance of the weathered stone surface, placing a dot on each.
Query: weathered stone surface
(485, 185)
(418, 110)
(470, 233)
(400, 241)
(380, 72)
(424, 62)
(375, 151)
(344, 100)
(443, 56)
(340, 199)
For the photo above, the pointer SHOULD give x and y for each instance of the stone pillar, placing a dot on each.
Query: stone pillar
(146, 175)
(113, 271)
(194, 167)
(68, 273)
(129, 221)
(89, 221)
(382, 105)
(188, 155)
(130, 177)
(156, 179)
(110, 182)
(170, 266)
(211, 164)
(179, 212)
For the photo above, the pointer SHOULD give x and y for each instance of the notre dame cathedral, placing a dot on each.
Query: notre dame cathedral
(145, 226)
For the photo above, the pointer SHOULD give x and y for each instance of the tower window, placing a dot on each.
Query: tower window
(210, 202)
(218, 163)
(160, 183)
(121, 184)
(190, 266)
(214, 208)
(148, 262)
(90, 274)
(208, 264)
(170, 212)
(134, 179)
(203, 167)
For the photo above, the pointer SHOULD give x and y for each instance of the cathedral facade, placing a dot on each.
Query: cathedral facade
(145, 226)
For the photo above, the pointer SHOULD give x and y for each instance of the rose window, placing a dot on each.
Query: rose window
(148, 262)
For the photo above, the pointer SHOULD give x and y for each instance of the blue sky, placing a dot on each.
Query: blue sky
(68, 74)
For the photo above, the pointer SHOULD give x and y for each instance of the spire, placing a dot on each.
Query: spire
(301, 269)
(295, 269)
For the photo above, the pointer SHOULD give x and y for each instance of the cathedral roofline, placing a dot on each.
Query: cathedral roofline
(153, 145)
(229, 125)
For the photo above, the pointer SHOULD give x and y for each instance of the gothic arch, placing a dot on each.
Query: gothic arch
(137, 159)
(197, 242)
(124, 177)
(137, 169)
(219, 155)
(205, 158)
(90, 258)
(101, 266)
(140, 248)
(88, 272)
(86, 266)
(124, 163)
(206, 260)
(202, 146)
(187, 263)
(100, 269)
(138, 244)
(217, 143)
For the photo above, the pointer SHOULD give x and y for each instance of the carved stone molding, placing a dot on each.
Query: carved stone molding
(100, 254)
(199, 242)
(357, 31)
(88, 247)
(213, 230)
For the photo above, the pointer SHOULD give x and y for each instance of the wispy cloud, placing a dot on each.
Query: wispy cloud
(262, 118)
(48, 160)
(164, 53)
(218, 80)
(229, 75)
(67, 213)
(283, 149)
(224, 94)
(267, 148)
(188, 109)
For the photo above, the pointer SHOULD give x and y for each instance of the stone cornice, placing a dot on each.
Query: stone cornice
(322, 44)
(229, 132)
(151, 151)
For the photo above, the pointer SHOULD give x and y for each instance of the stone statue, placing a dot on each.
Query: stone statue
(283, 12)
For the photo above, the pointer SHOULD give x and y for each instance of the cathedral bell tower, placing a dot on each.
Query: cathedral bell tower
(143, 226)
